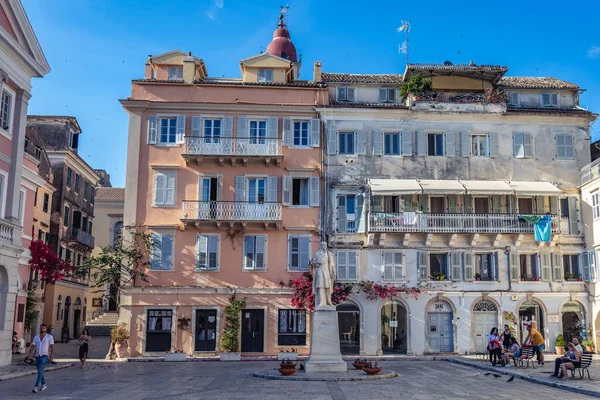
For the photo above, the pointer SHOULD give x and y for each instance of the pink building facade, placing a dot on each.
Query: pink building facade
(226, 175)
(21, 59)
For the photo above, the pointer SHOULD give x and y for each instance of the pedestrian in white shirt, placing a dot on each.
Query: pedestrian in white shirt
(42, 348)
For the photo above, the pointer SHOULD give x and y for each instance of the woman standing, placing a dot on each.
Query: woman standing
(506, 338)
(494, 346)
(84, 340)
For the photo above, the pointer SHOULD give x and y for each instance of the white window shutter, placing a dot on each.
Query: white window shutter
(342, 265)
(423, 265)
(352, 264)
(213, 247)
(421, 143)
(152, 129)
(159, 188)
(494, 146)
(288, 134)
(220, 187)
(514, 266)
(388, 265)
(377, 142)
(331, 141)
(360, 215)
(286, 190)
(227, 127)
(170, 190)
(465, 144)
(469, 270)
(201, 252)
(569, 149)
(240, 188)
(350, 94)
(585, 266)
(242, 127)
(315, 132)
(407, 143)
(528, 145)
(592, 264)
(557, 265)
(518, 147)
(546, 267)
(180, 129)
(261, 252)
(303, 253)
(398, 266)
(382, 95)
(272, 189)
(450, 144)
(361, 142)
(196, 125)
(456, 261)
(201, 194)
(341, 213)
(315, 197)
(272, 127)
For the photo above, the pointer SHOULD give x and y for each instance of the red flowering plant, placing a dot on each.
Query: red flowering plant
(374, 290)
(303, 297)
(49, 266)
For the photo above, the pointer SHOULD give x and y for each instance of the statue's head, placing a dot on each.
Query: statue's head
(323, 245)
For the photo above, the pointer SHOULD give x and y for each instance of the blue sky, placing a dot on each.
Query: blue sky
(95, 48)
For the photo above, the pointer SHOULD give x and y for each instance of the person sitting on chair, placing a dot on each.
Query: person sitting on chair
(16, 343)
(574, 362)
(513, 351)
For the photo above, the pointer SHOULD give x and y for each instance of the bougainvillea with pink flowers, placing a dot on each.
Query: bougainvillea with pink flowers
(49, 266)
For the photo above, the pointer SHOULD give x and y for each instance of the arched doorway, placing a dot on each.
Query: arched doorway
(485, 317)
(3, 295)
(573, 320)
(394, 326)
(440, 331)
(530, 311)
(349, 328)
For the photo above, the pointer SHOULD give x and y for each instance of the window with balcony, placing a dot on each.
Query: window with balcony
(66, 217)
(514, 99)
(564, 147)
(207, 252)
(69, 177)
(571, 266)
(525, 205)
(484, 267)
(482, 205)
(522, 145)
(301, 133)
(386, 95)
(298, 253)
(596, 204)
(168, 130)
(393, 266)
(438, 267)
(175, 72)
(346, 213)
(529, 269)
(161, 258)
(347, 265)
(77, 183)
(265, 75)
(437, 204)
(435, 144)
(391, 144)
(292, 327)
(46, 202)
(257, 188)
(212, 130)
(345, 94)
(479, 145)
(5, 106)
(258, 132)
(164, 188)
(549, 99)
(255, 255)
(346, 143)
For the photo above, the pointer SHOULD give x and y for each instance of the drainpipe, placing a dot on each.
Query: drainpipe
(507, 253)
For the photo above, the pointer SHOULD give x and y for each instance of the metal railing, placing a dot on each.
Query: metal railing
(446, 97)
(456, 223)
(8, 231)
(230, 211)
(590, 172)
(228, 146)
(83, 237)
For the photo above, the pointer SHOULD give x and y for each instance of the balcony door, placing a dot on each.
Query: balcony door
(482, 205)
(525, 205)
(257, 189)
(208, 196)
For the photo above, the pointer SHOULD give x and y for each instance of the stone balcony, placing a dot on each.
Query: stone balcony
(199, 148)
(231, 212)
(81, 237)
(10, 234)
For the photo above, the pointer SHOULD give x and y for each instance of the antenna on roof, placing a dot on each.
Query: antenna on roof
(284, 14)
(403, 48)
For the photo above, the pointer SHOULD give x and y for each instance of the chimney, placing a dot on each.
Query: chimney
(189, 68)
(317, 72)
(148, 72)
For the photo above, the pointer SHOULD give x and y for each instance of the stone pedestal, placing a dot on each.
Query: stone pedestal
(325, 356)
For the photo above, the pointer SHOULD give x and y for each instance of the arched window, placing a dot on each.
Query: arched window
(78, 301)
(117, 232)
(58, 307)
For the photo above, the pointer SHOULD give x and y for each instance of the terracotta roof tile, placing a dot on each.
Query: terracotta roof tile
(532, 82)
(110, 194)
(362, 78)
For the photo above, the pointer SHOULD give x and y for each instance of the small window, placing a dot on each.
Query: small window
(571, 266)
(549, 99)
(77, 179)
(596, 204)
(46, 202)
(292, 328)
(86, 190)
(392, 266)
(300, 191)
(522, 145)
(484, 267)
(479, 145)
(164, 188)
(386, 95)
(66, 217)
(258, 132)
(299, 253)
(69, 177)
(38, 152)
(435, 144)
(5, 111)
(346, 265)
(212, 130)
(391, 144)
(40, 235)
(168, 130)
(564, 147)
(161, 258)
(265, 75)
(346, 94)
(528, 264)
(514, 99)
(255, 252)
(175, 73)
(207, 252)
(438, 267)
(346, 211)
(301, 130)
(346, 143)
(26, 144)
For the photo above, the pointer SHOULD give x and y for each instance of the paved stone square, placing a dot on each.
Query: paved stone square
(216, 380)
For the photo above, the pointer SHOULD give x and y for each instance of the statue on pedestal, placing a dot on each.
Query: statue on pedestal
(323, 276)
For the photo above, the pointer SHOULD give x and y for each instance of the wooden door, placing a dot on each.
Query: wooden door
(206, 330)
(253, 322)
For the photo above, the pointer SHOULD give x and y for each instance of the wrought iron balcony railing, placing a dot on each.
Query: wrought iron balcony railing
(230, 211)
(447, 97)
(83, 237)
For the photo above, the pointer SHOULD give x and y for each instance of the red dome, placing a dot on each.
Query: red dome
(281, 45)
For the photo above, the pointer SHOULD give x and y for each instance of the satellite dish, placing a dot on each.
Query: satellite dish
(447, 63)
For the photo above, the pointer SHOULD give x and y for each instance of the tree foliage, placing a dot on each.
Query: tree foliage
(230, 340)
(415, 84)
(31, 312)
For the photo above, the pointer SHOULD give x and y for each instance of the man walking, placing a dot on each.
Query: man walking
(43, 350)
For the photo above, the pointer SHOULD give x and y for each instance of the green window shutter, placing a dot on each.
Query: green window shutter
(423, 265)
(468, 204)
(557, 265)
(469, 273)
(452, 204)
(514, 266)
(456, 260)
(546, 267)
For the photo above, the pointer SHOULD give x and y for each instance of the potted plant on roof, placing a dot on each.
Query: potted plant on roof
(291, 354)
(230, 342)
(560, 343)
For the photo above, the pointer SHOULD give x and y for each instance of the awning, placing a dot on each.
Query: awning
(441, 187)
(394, 187)
(487, 187)
(524, 188)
